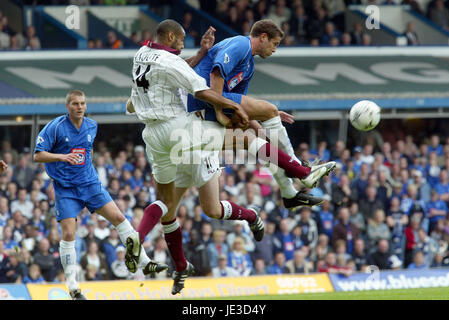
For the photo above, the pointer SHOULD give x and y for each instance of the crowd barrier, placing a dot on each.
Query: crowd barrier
(232, 287)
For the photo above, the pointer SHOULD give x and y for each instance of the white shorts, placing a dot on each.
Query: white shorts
(186, 143)
(198, 173)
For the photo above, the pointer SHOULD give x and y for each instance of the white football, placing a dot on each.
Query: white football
(364, 115)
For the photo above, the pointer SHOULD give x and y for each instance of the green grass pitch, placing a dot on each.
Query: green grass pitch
(441, 293)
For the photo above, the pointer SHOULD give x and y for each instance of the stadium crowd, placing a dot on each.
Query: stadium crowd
(305, 22)
(385, 205)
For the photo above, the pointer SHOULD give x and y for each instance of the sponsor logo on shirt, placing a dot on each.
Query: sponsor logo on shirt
(235, 81)
(81, 155)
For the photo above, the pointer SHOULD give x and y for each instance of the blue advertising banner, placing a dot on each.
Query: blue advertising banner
(387, 280)
(14, 292)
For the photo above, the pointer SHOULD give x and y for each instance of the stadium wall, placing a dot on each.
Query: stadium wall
(232, 287)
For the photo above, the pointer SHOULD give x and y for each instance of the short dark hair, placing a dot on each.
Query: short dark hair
(167, 26)
(266, 26)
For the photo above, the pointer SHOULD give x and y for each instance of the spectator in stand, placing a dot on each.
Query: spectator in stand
(397, 221)
(309, 233)
(23, 174)
(109, 246)
(298, 25)
(436, 209)
(298, 263)
(278, 266)
(159, 252)
(359, 254)
(217, 248)
(102, 230)
(45, 260)
(326, 216)
(346, 39)
(414, 4)
(190, 30)
(197, 254)
(93, 257)
(14, 269)
(316, 25)
(418, 261)
(279, 12)
(222, 269)
(112, 41)
(412, 238)
(119, 270)
(439, 14)
(5, 40)
(377, 228)
(411, 35)
(34, 275)
(329, 33)
(92, 273)
(370, 204)
(284, 238)
(357, 34)
(367, 40)
(345, 230)
(31, 40)
(330, 265)
(381, 257)
(239, 232)
(239, 259)
(23, 205)
(265, 248)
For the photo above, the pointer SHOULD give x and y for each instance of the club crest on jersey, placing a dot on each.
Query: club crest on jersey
(81, 152)
(235, 81)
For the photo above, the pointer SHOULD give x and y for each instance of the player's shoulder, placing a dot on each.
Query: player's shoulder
(91, 123)
(53, 124)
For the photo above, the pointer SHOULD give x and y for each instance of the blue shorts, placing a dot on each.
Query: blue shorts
(196, 105)
(71, 201)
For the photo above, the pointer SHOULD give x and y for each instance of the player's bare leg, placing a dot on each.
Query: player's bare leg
(135, 253)
(228, 210)
(67, 253)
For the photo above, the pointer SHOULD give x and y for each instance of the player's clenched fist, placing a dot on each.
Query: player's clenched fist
(72, 158)
(3, 166)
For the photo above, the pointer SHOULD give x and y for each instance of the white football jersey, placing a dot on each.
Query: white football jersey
(161, 81)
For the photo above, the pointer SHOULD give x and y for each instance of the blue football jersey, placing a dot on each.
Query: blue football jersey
(233, 57)
(61, 136)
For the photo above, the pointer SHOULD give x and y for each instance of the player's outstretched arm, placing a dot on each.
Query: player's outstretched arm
(207, 41)
(220, 103)
(45, 157)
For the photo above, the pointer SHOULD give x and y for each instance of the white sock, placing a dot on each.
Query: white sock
(285, 184)
(67, 254)
(124, 230)
(277, 132)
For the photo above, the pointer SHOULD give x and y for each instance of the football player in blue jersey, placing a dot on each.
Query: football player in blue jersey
(228, 68)
(65, 146)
